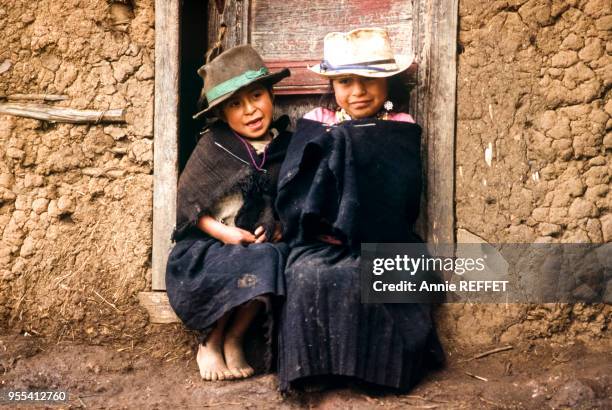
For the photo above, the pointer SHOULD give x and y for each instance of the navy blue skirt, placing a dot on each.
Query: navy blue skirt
(326, 330)
(206, 279)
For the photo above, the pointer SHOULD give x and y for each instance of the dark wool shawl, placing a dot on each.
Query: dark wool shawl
(220, 166)
(359, 180)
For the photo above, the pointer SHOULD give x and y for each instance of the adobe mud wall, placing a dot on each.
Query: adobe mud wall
(534, 81)
(76, 201)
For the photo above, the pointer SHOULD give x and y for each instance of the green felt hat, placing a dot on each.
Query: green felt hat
(232, 70)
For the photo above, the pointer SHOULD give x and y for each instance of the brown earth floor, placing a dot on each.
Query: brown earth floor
(536, 375)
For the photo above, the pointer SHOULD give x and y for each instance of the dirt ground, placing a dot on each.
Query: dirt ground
(533, 375)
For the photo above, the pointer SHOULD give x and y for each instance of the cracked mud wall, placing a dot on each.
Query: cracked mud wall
(76, 200)
(533, 149)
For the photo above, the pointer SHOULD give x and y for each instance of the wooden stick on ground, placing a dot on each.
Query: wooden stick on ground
(488, 352)
(476, 377)
(60, 114)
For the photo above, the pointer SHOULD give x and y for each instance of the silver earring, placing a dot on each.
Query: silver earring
(388, 105)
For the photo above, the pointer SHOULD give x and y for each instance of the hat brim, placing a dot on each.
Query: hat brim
(402, 63)
(269, 79)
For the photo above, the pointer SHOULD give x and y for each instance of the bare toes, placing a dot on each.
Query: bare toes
(236, 373)
(244, 372)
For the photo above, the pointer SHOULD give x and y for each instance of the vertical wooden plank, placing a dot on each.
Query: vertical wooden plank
(165, 160)
(236, 18)
(436, 47)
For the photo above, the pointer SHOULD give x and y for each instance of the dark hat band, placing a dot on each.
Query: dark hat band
(368, 65)
(235, 83)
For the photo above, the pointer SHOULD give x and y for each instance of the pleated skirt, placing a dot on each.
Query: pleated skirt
(326, 330)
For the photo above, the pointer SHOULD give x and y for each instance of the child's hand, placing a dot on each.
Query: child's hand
(229, 235)
(261, 236)
(236, 236)
(332, 240)
(278, 233)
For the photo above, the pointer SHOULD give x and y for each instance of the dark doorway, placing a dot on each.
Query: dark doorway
(193, 46)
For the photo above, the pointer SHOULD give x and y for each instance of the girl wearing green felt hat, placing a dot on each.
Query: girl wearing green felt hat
(226, 268)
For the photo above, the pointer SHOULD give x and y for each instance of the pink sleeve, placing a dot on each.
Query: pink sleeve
(402, 117)
(321, 114)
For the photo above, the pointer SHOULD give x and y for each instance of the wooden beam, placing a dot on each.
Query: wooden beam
(30, 97)
(165, 161)
(301, 81)
(158, 307)
(61, 114)
(435, 43)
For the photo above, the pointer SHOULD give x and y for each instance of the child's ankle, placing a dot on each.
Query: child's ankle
(212, 343)
(234, 338)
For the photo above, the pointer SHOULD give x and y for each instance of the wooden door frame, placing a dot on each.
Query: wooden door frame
(435, 100)
(435, 42)
(165, 134)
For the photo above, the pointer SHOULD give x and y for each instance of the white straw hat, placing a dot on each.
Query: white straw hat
(365, 51)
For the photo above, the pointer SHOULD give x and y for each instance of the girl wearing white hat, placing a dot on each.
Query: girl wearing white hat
(365, 78)
(352, 175)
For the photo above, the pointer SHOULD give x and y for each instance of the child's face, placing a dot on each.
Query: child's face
(360, 97)
(249, 111)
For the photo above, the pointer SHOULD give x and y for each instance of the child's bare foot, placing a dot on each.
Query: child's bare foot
(234, 357)
(211, 363)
